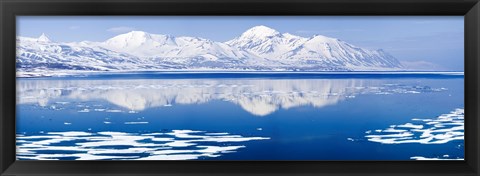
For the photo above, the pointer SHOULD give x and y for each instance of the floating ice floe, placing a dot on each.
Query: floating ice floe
(443, 129)
(84, 110)
(445, 157)
(107, 145)
(71, 133)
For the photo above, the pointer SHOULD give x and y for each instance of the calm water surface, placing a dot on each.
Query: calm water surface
(263, 117)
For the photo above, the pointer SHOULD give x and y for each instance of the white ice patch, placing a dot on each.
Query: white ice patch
(216, 133)
(109, 145)
(409, 125)
(439, 158)
(84, 110)
(443, 129)
(71, 133)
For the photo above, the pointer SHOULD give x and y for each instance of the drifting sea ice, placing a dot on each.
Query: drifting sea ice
(443, 129)
(107, 145)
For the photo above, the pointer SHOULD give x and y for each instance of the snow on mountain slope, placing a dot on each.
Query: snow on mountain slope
(259, 48)
(266, 42)
(315, 53)
(43, 38)
(330, 52)
(183, 52)
(143, 44)
(41, 53)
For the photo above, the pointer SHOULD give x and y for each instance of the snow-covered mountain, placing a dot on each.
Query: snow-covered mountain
(315, 53)
(185, 52)
(143, 44)
(259, 49)
(266, 42)
(42, 53)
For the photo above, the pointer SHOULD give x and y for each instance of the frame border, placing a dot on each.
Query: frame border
(9, 9)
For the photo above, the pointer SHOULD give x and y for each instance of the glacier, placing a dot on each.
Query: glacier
(258, 49)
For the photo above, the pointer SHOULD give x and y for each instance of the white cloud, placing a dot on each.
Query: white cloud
(120, 29)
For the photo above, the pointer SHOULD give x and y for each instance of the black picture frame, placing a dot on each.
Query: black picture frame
(9, 9)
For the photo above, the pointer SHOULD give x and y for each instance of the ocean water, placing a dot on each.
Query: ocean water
(235, 116)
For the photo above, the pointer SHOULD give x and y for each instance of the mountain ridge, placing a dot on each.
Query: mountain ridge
(259, 48)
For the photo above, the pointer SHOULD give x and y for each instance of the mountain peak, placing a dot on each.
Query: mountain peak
(289, 35)
(322, 39)
(139, 34)
(43, 38)
(133, 38)
(260, 32)
(317, 36)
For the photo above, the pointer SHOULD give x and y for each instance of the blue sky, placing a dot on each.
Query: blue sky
(422, 41)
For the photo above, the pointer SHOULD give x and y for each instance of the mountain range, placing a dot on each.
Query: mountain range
(258, 49)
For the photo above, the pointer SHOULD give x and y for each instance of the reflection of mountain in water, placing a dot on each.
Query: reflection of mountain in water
(259, 97)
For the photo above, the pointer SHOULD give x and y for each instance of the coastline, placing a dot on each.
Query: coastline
(216, 72)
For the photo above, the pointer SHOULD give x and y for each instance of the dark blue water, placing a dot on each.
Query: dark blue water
(267, 116)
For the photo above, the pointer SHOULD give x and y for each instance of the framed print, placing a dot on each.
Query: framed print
(256, 87)
(261, 94)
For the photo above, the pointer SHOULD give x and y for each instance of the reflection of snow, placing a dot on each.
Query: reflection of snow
(84, 110)
(259, 97)
(174, 145)
(134, 123)
(443, 129)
